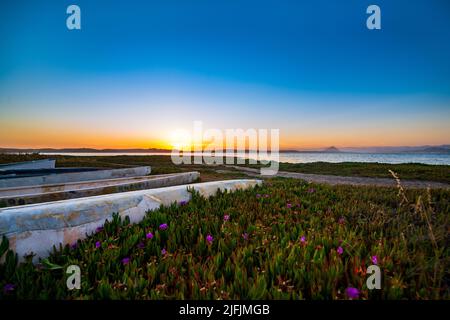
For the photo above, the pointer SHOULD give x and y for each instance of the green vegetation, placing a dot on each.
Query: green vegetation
(286, 239)
(163, 164)
(410, 171)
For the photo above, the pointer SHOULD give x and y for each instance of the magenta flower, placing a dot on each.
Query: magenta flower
(9, 287)
(340, 250)
(149, 235)
(163, 251)
(141, 245)
(352, 293)
(163, 226)
(258, 195)
(99, 229)
(374, 259)
(245, 236)
(183, 203)
(98, 244)
(341, 220)
(74, 245)
(226, 217)
(311, 190)
(209, 238)
(266, 196)
(289, 205)
(303, 239)
(125, 261)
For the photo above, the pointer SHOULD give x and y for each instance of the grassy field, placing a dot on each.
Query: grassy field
(284, 240)
(411, 171)
(162, 164)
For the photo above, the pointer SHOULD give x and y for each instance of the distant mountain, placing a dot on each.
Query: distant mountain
(331, 149)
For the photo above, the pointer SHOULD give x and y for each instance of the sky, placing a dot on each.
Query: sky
(139, 70)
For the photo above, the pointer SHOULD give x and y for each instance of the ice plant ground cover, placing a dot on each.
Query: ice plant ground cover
(284, 240)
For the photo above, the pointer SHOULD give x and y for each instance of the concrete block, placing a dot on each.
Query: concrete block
(55, 192)
(37, 228)
(29, 165)
(74, 177)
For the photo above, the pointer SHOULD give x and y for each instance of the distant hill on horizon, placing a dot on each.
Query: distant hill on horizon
(332, 149)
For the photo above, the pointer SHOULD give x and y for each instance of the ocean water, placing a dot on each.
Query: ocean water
(426, 158)
(306, 157)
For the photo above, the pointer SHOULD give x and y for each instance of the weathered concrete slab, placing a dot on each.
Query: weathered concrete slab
(56, 192)
(9, 174)
(29, 165)
(43, 172)
(37, 228)
(74, 177)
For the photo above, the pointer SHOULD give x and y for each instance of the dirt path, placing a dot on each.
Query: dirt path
(335, 180)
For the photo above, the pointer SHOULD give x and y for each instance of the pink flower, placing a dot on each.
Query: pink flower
(374, 259)
(9, 287)
(149, 235)
(341, 220)
(303, 239)
(163, 251)
(340, 250)
(163, 226)
(226, 217)
(352, 293)
(209, 238)
(245, 236)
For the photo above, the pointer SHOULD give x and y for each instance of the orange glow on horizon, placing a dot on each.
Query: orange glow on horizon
(48, 135)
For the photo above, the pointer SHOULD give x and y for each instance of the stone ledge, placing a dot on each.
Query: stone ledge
(40, 194)
(37, 228)
(74, 177)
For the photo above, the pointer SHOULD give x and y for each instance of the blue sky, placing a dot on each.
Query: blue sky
(139, 69)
